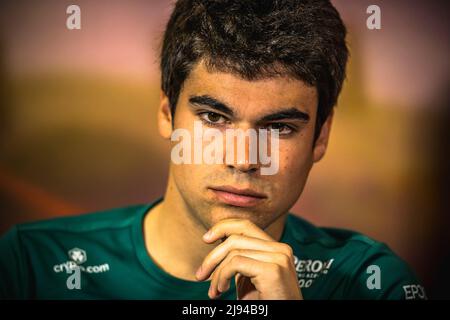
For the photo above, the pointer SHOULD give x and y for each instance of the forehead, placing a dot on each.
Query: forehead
(251, 97)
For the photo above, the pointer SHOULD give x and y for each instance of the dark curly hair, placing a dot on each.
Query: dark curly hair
(256, 39)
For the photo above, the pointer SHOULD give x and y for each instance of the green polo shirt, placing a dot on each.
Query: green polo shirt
(102, 255)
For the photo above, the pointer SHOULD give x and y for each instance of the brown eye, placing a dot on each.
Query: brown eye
(281, 127)
(212, 118)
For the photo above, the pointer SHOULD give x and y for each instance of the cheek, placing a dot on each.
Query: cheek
(190, 174)
(295, 165)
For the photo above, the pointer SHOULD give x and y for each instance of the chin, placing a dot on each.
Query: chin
(221, 212)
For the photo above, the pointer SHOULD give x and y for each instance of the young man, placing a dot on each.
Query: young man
(223, 230)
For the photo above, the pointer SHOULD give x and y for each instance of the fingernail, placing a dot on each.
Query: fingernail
(199, 272)
(207, 235)
(210, 293)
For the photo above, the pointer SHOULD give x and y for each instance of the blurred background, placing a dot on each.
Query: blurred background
(78, 122)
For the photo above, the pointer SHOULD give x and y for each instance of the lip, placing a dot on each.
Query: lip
(238, 197)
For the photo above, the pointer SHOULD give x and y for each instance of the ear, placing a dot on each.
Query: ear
(322, 141)
(164, 117)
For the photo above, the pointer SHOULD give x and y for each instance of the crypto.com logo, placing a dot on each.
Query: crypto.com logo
(207, 147)
(75, 266)
(78, 255)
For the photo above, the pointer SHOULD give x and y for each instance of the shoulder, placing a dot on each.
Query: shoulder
(91, 227)
(364, 268)
(28, 246)
(87, 222)
(305, 232)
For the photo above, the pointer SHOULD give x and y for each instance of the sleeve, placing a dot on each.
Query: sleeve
(13, 278)
(382, 275)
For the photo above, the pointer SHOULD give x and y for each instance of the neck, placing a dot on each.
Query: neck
(173, 236)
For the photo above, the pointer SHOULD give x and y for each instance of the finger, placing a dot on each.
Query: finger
(222, 284)
(238, 242)
(227, 227)
(246, 266)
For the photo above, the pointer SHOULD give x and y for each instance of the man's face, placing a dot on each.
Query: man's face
(214, 192)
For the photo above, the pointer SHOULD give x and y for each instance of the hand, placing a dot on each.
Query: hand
(264, 268)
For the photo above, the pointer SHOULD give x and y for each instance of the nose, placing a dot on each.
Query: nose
(243, 167)
(241, 151)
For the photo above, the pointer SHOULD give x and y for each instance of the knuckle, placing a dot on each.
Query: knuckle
(285, 260)
(235, 252)
(235, 260)
(276, 269)
(287, 250)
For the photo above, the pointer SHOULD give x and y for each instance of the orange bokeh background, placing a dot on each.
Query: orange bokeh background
(78, 121)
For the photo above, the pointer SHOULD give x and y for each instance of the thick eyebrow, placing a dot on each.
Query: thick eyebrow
(286, 114)
(209, 101)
